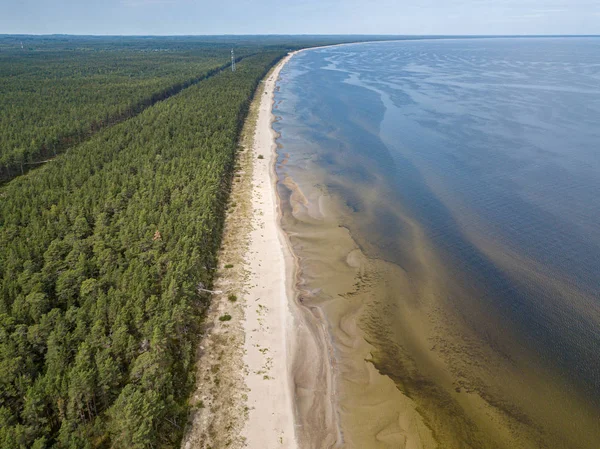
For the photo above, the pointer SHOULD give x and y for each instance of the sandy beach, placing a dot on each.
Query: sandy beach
(287, 353)
(288, 357)
(247, 384)
(269, 321)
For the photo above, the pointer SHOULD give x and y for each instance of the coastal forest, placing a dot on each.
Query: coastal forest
(116, 159)
(55, 97)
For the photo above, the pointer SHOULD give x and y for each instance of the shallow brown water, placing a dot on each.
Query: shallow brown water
(448, 330)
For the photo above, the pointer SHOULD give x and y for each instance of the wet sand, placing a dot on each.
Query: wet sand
(370, 410)
(407, 371)
(335, 383)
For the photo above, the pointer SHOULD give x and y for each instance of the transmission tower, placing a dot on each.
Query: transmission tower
(232, 61)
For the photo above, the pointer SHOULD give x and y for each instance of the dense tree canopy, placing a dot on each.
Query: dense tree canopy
(53, 99)
(102, 253)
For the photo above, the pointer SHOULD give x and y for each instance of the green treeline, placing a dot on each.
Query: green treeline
(102, 253)
(54, 99)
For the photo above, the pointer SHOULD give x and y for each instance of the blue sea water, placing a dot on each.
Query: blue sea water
(493, 147)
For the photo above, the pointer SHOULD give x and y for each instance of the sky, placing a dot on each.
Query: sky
(197, 17)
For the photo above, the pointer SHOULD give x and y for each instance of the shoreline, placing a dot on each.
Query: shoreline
(312, 344)
(295, 385)
(269, 320)
(260, 374)
(277, 374)
(329, 355)
(312, 358)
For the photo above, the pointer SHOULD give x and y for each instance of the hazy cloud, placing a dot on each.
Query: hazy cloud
(301, 16)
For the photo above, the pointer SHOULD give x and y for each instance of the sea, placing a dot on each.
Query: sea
(457, 182)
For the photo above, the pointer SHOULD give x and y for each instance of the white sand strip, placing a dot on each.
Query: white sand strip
(269, 324)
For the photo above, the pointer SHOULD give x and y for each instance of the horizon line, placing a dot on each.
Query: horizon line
(294, 35)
